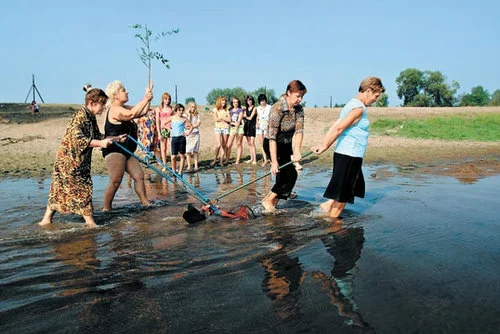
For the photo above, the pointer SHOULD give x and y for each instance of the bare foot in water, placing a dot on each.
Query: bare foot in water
(45, 222)
(326, 206)
(268, 207)
(89, 221)
(47, 217)
(90, 224)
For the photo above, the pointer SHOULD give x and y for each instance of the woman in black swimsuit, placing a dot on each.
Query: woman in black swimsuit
(119, 120)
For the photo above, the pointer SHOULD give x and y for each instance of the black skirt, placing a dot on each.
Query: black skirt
(347, 179)
(287, 176)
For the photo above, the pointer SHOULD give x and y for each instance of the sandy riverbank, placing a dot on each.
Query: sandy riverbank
(29, 142)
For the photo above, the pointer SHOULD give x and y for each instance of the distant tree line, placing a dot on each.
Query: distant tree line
(415, 87)
(241, 94)
(429, 89)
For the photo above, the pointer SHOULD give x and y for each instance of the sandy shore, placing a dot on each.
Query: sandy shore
(29, 143)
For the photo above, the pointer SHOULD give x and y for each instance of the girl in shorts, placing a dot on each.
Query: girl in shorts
(222, 120)
(179, 124)
(163, 113)
(263, 111)
(235, 130)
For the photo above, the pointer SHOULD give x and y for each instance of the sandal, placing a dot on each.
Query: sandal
(212, 164)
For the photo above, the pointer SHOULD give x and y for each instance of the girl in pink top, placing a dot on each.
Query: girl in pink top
(164, 113)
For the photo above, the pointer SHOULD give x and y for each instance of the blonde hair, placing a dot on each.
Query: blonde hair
(195, 113)
(113, 88)
(373, 83)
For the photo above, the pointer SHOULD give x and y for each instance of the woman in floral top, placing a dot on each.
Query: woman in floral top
(286, 120)
(71, 187)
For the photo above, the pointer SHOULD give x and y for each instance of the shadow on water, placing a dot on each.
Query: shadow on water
(402, 259)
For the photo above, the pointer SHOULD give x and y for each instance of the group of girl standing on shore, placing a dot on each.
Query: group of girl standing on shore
(155, 131)
(234, 122)
(281, 130)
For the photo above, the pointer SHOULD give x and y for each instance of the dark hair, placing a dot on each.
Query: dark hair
(95, 95)
(262, 97)
(237, 99)
(179, 106)
(296, 86)
(373, 83)
(249, 97)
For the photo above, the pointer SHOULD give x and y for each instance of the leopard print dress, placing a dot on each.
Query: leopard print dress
(71, 186)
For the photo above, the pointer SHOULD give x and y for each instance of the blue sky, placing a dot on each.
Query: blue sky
(329, 45)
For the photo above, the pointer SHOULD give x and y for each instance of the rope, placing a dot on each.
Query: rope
(255, 180)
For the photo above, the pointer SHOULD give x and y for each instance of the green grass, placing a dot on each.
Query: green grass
(479, 127)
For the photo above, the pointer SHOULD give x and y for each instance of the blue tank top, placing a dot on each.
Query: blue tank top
(178, 128)
(354, 140)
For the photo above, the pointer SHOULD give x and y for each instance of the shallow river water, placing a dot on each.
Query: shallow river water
(419, 254)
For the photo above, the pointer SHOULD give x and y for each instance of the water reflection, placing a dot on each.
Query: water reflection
(252, 187)
(284, 274)
(224, 179)
(194, 179)
(80, 253)
(282, 282)
(148, 271)
(344, 244)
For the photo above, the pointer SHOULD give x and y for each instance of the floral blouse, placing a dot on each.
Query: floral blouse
(284, 123)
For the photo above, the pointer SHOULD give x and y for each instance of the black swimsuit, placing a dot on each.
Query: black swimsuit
(125, 127)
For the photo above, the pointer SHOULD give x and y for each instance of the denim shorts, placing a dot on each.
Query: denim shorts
(222, 131)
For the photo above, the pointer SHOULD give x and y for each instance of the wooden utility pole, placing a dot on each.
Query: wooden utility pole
(33, 89)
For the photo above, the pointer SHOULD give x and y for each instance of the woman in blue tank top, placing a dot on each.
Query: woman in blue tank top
(351, 133)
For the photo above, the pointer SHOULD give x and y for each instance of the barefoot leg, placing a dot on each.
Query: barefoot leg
(270, 201)
(47, 217)
(336, 209)
(326, 206)
(89, 221)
